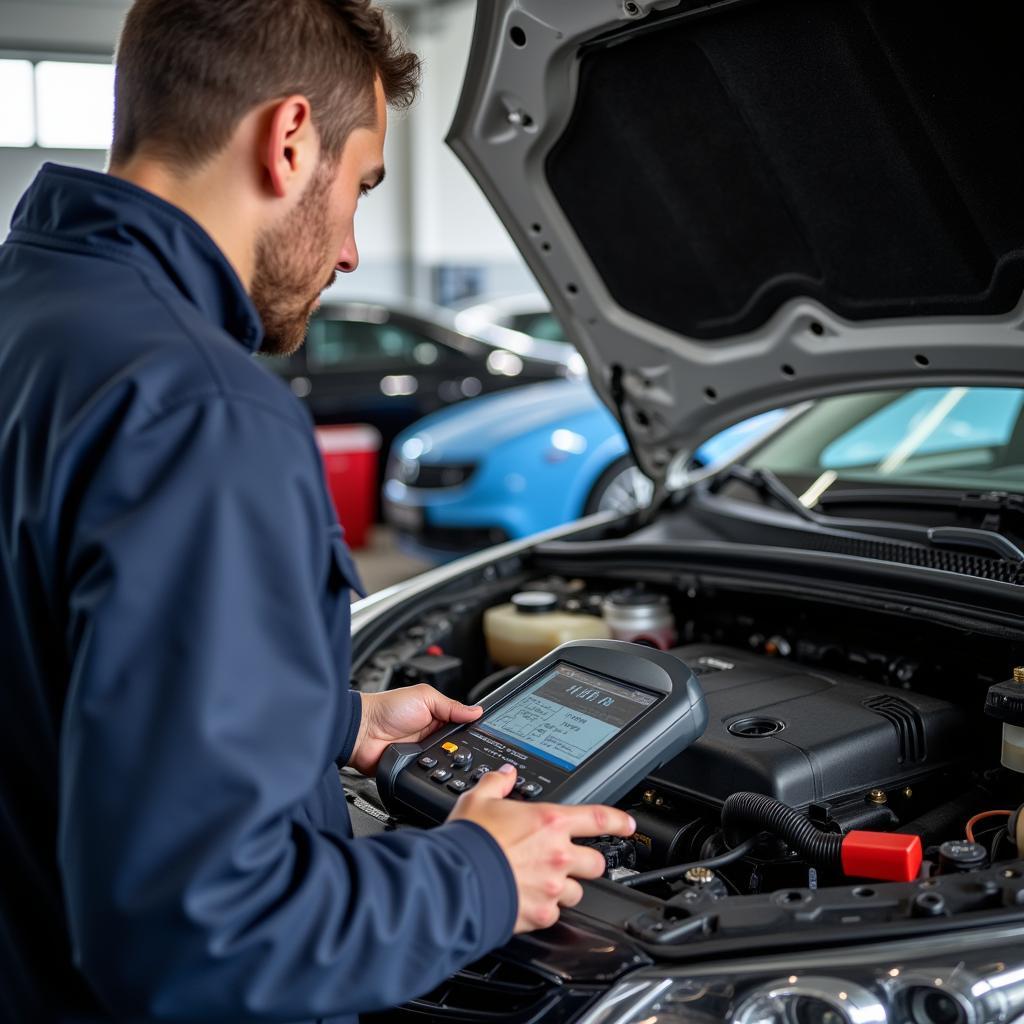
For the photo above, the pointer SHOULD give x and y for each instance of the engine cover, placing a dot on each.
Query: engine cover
(805, 735)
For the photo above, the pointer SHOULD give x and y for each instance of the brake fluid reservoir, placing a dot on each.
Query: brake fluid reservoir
(532, 625)
(641, 617)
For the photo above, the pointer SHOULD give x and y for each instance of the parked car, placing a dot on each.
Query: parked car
(388, 366)
(528, 313)
(734, 207)
(511, 464)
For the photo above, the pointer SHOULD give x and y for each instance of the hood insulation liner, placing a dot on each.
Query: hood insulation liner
(866, 154)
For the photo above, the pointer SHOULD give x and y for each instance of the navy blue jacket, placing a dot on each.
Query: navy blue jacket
(174, 653)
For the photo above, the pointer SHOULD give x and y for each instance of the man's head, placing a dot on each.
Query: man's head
(284, 102)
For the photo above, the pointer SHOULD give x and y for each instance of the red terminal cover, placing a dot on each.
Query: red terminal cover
(884, 856)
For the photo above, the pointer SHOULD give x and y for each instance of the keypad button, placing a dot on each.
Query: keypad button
(480, 773)
(530, 791)
(463, 759)
(520, 782)
(458, 785)
(441, 775)
(427, 762)
(449, 747)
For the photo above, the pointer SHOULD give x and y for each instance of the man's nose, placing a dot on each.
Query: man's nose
(349, 258)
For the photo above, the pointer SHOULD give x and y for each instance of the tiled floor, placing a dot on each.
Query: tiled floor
(381, 564)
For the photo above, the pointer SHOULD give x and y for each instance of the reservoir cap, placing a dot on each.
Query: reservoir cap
(534, 602)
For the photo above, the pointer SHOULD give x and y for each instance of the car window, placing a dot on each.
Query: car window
(538, 325)
(341, 344)
(949, 436)
(929, 420)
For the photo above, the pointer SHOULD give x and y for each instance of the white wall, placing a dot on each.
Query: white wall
(19, 166)
(454, 223)
(68, 26)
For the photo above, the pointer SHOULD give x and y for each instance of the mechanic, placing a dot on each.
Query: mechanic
(174, 587)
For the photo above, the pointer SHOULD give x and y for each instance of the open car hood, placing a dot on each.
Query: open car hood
(738, 205)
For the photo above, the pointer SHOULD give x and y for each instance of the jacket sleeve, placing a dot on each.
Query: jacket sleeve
(203, 705)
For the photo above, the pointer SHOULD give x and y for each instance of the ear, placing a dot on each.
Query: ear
(290, 148)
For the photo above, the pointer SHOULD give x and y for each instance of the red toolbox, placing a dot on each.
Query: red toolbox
(350, 463)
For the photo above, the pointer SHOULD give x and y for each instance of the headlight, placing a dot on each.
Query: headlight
(967, 978)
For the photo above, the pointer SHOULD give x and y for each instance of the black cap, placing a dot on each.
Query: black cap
(1005, 701)
(961, 855)
(534, 602)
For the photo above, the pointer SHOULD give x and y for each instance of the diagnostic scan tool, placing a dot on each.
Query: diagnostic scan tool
(584, 724)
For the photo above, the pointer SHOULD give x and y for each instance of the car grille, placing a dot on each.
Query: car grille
(427, 475)
(491, 990)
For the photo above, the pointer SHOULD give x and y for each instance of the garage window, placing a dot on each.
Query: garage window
(17, 116)
(75, 104)
(56, 104)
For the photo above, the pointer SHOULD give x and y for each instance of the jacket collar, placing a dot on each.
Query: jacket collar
(83, 209)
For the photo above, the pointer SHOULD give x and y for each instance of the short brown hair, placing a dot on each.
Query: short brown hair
(189, 70)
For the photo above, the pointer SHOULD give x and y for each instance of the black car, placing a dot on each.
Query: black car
(735, 206)
(388, 366)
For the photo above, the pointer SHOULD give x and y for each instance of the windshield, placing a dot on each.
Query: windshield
(959, 437)
(541, 325)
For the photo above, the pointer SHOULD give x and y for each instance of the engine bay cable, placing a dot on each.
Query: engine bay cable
(981, 817)
(667, 874)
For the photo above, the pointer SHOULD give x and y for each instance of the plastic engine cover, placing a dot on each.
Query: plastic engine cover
(805, 735)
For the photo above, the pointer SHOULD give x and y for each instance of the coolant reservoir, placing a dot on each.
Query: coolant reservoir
(1005, 701)
(532, 625)
(1013, 747)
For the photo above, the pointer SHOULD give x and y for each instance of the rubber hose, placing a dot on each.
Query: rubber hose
(747, 813)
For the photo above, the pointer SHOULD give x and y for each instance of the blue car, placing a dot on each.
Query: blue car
(507, 465)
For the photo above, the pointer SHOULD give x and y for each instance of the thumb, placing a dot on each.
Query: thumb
(444, 709)
(464, 712)
(497, 785)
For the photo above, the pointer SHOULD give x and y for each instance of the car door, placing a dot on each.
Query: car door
(361, 371)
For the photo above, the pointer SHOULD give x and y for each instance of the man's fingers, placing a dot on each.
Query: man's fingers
(586, 863)
(444, 709)
(572, 893)
(596, 820)
(495, 784)
(464, 712)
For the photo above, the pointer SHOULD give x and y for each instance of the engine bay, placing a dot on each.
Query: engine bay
(852, 719)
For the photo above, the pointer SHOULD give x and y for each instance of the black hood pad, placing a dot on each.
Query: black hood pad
(866, 154)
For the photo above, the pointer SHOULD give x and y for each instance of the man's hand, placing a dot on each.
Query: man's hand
(537, 840)
(407, 715)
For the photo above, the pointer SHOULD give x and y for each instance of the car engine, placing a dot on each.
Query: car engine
(879, 729)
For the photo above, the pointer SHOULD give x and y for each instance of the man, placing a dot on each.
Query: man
(174, 588)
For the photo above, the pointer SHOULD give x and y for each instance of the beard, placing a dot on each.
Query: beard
(290, 259)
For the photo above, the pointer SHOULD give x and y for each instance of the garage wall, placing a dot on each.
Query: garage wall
(454, 222)
(65, 26)
(428, 233)
(19, 166)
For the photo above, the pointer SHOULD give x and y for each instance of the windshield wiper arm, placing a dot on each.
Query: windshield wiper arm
(973, 501)
(767, 484)
(997, 511)
(978, 540)
(988, 539)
